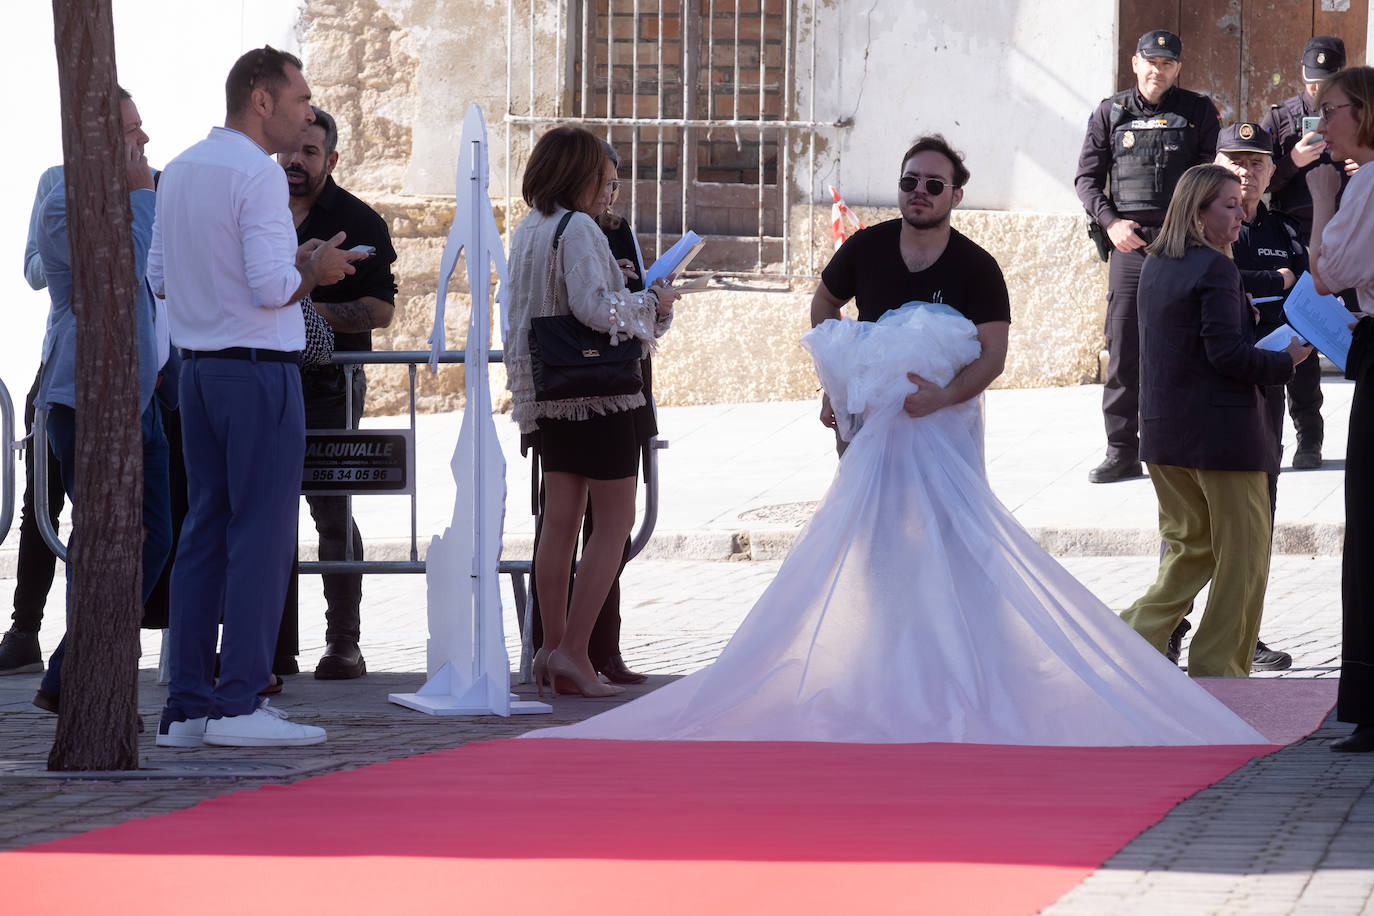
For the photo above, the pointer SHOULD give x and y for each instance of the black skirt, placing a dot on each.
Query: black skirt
(601, 447)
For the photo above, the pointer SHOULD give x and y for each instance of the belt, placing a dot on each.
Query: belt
(252, 354)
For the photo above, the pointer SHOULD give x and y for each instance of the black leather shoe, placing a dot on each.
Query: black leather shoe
(341, 662)
(47, 700)
(51, 702)
(285, 665)
(616, 672)
(1360, 741)
(1176, 640)
(1307, 458)
(19, 653)
(1267, 659)
(1113, 469)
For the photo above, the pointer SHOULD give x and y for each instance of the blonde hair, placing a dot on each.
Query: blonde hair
(1194, 192)
(1358, 85)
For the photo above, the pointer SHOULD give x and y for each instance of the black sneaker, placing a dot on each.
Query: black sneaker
(19, 653)
(1176, 640)
(1267, 659)
(1113, 469)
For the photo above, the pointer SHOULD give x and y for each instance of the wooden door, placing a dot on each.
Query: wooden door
(1243, 53)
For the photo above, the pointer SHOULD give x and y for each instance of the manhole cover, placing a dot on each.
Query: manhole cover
(795, 514)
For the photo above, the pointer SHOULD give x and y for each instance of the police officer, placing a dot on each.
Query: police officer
(1139, 143)
(1297, 152)
(1271, 256)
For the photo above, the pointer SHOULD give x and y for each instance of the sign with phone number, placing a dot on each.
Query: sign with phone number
(358, 462)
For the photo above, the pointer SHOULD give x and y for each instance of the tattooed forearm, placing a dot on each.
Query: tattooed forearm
(356, 315)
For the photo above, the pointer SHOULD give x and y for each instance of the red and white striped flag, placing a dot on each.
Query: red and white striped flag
(843, 222)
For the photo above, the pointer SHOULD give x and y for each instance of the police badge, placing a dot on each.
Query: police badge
(1321, 57)
(1128, 139)
(1246, 131)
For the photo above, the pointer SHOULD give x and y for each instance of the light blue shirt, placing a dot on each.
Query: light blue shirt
(59, 346)
(33, 264)
(224, 247)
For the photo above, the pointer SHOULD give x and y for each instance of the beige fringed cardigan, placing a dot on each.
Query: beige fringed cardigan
(591, 287)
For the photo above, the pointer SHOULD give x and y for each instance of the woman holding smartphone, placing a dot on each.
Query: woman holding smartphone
(1342, 256)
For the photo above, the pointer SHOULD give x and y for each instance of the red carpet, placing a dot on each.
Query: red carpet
(653, 828)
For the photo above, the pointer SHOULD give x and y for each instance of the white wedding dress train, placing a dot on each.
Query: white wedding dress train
(914, 608)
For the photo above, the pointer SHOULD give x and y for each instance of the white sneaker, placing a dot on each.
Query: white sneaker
(263, 727)
(180, 732)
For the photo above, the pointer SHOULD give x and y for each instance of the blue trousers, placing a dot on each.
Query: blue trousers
(157, 513)
(243, 435)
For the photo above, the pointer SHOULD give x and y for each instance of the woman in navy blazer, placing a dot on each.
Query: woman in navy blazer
(1204, 428)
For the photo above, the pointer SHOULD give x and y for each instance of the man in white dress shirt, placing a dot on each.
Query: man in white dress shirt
(224, 255)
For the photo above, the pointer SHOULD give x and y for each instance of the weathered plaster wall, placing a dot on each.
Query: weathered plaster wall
(1009, 82)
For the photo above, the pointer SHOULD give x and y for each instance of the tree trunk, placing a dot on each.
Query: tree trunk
(96, 729)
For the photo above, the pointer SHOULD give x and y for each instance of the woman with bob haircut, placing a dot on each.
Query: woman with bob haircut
(588, 447)
(1343, 258)
(1204, 428)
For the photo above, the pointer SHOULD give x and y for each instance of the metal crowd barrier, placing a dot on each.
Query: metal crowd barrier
(518, 570)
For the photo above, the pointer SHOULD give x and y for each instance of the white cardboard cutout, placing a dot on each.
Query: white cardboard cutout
(466, 661)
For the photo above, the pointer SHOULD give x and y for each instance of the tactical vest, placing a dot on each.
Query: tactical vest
(1150, 152)
(1293, 197)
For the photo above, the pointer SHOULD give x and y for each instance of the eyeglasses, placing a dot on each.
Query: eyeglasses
(613, 185)
(934, 186)
(1327, 109)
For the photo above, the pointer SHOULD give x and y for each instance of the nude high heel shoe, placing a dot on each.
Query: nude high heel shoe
(541, 672)
(559, 665)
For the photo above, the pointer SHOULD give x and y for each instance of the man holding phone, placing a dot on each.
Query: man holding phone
(353, 308)
(1298, 148)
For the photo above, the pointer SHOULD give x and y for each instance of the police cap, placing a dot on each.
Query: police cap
(1322, 57)
(1245, 137)
(1159, 43)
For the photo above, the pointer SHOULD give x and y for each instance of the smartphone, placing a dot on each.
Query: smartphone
(1309, 125)
(365, 249)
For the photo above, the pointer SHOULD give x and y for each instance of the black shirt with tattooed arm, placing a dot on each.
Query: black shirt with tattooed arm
(334, 210)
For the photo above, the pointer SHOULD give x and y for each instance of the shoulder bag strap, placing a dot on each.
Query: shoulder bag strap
(550, 294)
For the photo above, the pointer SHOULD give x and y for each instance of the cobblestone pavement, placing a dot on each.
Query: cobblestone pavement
(1292, 832)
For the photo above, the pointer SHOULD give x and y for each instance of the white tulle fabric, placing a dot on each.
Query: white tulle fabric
(914, 608)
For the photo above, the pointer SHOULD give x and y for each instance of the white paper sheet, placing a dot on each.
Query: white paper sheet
(675, 258)
(1321, 320)
(1277, 339)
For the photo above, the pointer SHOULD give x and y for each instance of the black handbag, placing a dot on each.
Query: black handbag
(569, 360)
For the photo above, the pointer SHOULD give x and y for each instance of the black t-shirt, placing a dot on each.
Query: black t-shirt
(336, 209)
(869, 269)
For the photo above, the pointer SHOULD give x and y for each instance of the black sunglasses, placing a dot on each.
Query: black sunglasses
(934, 186)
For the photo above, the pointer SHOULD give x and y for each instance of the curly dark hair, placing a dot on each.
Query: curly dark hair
(938, 144)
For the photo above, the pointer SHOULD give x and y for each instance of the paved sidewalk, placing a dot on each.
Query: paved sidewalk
(737, 480)
(1288, 833)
